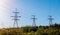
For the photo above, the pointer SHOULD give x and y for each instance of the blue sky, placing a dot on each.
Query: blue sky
(40, 8)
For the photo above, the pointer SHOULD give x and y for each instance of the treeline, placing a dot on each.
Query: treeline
(53, 29)
(35, 28)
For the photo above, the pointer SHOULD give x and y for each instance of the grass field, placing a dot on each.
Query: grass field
(28, 30)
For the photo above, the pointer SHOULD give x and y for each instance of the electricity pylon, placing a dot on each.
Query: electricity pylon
(15, 18)
(34, 20)
(50, 20)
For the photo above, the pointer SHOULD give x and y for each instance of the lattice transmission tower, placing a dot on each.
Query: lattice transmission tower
(50, 20)
(16, 18)
(34, 20)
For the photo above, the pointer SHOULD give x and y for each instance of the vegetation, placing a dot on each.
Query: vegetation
(38, 30)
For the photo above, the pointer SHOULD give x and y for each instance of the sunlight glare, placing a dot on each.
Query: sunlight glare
(2, 11)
